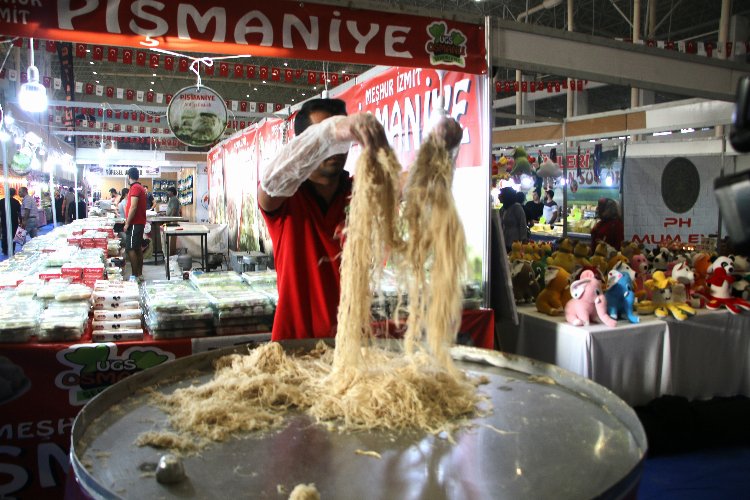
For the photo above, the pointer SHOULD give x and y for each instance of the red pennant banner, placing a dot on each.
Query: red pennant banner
(275, 74)
(153, 61)
(47, 81)
(239, 70)
(557, 86)
(288, 75)
(691, 47)
(51, 46)
(140, 58)
(670, 45)
(277, 107)
(168, 98)
(210, 69)
(334, 79)
(250, 71)
(346, 78)
(242, 124)
(298, 73)
(149, 96)
(263, 72)
(243, 106)
(125, 115)
(89, 88)
(516, 86)
(127, 56)
(169, 63)
(524, 86)
(80, 50)
(532, 87)
(98, 53)
(550, 87)
(709, 48)
(109, 113)
(112, 54)
(579, 85)
(311, 77)
(223, 69)
(182, 67)
(322, 78)
(261, 107)
(129, 95)
(110, 92)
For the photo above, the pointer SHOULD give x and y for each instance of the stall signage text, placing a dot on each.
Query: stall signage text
(279, 29)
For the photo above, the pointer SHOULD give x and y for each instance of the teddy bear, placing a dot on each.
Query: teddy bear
(600, 257)
(720, 283)
(701, 264)
(630, 249)
(550, 300)
(530, 251)
(662, 258)
(581, 253)
(642, 268)
(563, 257)
(620, 296)
(525, 286)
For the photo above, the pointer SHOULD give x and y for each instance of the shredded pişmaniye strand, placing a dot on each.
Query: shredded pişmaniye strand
(360, 384)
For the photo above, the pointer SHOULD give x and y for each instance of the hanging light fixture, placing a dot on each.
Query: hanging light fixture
(33, 95)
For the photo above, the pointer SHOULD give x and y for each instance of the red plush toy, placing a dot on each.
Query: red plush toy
(720, 288)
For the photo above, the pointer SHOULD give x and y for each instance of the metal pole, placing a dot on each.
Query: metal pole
(75, 189)
(8, 216)
(52, 199)
(489, 120)
(565, 177)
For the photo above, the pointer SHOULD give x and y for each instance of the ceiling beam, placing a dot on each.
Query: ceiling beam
(575, 55)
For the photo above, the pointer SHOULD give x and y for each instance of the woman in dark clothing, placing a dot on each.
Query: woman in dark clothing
(609, 227)
(15, 218)
(512, 216)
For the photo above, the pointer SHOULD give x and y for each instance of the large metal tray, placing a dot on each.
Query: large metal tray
(552, 434)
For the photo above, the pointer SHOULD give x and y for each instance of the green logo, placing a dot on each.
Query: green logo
(446, 46)
(94, 367)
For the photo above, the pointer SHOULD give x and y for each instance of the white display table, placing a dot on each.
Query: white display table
(705, 356)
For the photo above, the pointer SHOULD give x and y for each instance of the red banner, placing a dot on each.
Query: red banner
(402, 100)
(282, 29)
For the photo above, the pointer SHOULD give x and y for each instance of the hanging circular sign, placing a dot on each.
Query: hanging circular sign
(197, 116)
(21, 162)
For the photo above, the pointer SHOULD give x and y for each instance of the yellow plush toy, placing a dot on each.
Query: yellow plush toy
(564, 257)
(516, 251)
(599, 258)
(662, 304)
(530, 251)
(581, 252)
(551, 300)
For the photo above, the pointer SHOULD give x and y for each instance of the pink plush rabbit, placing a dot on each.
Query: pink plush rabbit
(588, 303)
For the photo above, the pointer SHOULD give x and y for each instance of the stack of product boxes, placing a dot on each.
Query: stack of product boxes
(117, 311)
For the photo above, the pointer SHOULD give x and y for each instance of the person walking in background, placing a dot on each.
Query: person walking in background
(609, 227)
(135, 222)
(29, 212)
(69, 206)
(59, 200)
(15, 219)
(513, 217)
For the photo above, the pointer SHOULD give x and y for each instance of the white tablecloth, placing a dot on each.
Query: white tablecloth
(705, 356)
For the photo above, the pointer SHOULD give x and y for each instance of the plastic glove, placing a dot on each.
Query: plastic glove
(299, 158)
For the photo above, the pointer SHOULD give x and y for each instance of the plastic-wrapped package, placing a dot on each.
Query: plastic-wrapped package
(73, 291)
(107, 315)
(29, 286)
(116, 335)
(19, 317)
(176, 309)
(63, 321)
(52, 288)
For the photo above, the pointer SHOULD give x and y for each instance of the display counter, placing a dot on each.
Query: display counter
(705, 356)
(52, 381)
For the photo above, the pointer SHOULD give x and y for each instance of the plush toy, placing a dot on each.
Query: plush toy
(588, 303)
(550, 300)
(701, 264)
(662, 258)
(720, 281)
(581, 253)
(549, 170)
(642, 268)
(564, 257)
(530, 252)
(662, 301)
(617, 258)
(525, 287)
(545, 249)
(685, 277)
(521, 165)
(630, 249)
(540, 268)
(600, 257)
(620, 296)
(516, 251)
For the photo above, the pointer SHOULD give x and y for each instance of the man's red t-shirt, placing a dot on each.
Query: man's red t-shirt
(136, 190)
(307, 254)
